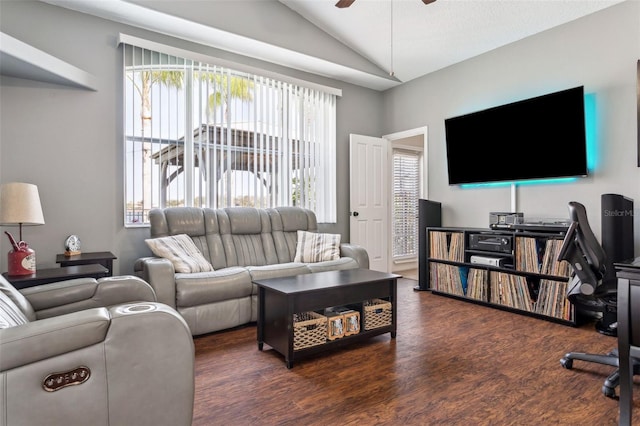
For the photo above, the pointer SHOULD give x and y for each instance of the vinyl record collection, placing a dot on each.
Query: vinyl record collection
(535, 281)
(540, 256)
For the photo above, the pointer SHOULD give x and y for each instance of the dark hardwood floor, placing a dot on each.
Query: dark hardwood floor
(452, 363)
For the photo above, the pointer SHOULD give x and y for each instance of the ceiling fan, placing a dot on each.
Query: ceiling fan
(346, 3)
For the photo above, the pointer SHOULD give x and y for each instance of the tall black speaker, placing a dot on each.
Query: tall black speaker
(617, 227)
(429, 215)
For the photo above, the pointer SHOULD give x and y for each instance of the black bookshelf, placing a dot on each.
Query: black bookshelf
(512, 270)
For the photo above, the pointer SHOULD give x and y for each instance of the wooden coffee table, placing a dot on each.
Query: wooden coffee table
(280, 298)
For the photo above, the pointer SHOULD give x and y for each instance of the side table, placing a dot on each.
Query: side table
(52, 275)
(104, 258)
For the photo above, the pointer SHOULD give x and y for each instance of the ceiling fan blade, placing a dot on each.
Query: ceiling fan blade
(344, 3)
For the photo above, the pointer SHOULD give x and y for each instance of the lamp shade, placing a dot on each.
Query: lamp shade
(20, 204)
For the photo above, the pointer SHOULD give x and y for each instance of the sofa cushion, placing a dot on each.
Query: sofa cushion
(316, 247)
(246, 237)
(277, 271)
(181, 251)
(177, 220)
(207, 287)
(333, 265)
(295, 218)
(285, 224)
(216, 316)
(246, 220)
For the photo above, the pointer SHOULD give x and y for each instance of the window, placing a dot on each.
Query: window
(405, 194)
(202, 135)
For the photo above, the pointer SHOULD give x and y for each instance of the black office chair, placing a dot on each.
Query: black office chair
(593, 288)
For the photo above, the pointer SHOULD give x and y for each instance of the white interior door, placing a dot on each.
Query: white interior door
(369, 207)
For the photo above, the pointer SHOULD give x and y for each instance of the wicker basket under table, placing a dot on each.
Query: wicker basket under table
(377, 313)
(309, 329)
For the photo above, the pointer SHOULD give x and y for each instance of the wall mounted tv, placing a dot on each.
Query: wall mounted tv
(538, 138)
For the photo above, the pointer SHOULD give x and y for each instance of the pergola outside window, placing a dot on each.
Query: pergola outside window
(206, 136)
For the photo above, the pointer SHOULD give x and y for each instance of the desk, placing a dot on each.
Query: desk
(628, 273)
(104, 258)
(629, 269)
(46, 276)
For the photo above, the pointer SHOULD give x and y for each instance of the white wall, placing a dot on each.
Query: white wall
(599, 51)
(68, 141)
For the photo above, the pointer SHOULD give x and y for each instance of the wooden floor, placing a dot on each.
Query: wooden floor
(452, 363)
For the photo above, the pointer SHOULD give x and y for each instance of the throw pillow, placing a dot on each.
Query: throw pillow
(10, 314)
(181, 251)
(314, 247)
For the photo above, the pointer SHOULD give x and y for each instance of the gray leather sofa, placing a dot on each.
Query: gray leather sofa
(242, 244)
(87, 352)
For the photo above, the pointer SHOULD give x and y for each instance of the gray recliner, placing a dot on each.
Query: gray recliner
(93, 352)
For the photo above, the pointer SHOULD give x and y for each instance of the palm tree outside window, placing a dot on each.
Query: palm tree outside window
(201, 135)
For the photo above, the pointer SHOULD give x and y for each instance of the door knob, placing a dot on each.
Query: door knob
(355, 214)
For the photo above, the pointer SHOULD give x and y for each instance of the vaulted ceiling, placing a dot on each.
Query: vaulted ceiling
(362, 44)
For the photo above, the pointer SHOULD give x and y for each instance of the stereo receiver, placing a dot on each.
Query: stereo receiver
(491, 242)
(502, 220)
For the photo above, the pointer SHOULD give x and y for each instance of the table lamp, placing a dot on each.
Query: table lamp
(20, 205)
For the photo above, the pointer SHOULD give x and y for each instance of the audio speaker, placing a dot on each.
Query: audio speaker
(429, 215)
(617, 227)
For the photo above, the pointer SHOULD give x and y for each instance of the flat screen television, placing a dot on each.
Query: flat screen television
(538, 138)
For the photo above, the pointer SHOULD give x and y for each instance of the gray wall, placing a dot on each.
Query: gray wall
(599, 51)
(68, 141)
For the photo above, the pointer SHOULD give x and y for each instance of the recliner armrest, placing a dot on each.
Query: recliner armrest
(84, 293)
(356, 252)
(60, 293)
(154, 353)
(161, 275)
(39, 340)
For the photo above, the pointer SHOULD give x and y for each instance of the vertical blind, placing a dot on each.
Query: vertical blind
(202, 135)
(406, 192)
